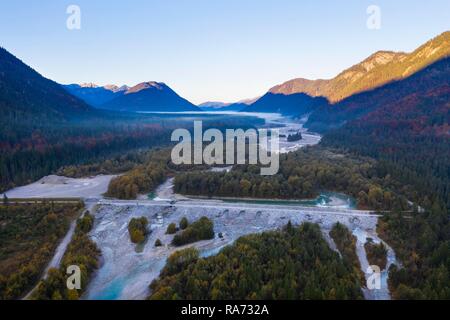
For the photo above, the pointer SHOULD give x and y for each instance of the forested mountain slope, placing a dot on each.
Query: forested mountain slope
(43, 127)
(408, 128)
(393, 100)
(380, 68)
(26, 96)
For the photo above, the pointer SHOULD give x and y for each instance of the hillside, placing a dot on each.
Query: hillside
(391, 98)
(405, 124)
(377, 70)
(150, 96)
(43, 127)
(26, 96)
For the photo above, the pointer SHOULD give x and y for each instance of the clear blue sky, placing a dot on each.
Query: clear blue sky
(222, 50)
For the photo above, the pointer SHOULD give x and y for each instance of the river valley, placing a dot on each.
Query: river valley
(127, 270)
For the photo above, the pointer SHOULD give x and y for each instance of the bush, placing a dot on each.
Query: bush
(138, 229)
(376, 254)
(171, 229)
(86, 223)
(295, 137)
(184, 223)
(202, 229)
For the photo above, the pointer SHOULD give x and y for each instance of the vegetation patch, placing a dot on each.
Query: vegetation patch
(376, 254)
(203, 229)
(171, 228)
(346, 244)
(295, 137)
(81, 252)
(137, 228)
(29, 235)
(293, 263)
(422, 243)
(303, 175)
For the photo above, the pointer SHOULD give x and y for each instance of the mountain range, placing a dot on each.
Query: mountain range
(382, 79)
(375, 82)
(380, 68)
(146, 96)
(410, 98)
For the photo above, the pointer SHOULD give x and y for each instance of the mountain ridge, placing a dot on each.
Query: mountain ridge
(388, 97)
(150, 96)
(135, 98)
(378, 69)
(25, 94)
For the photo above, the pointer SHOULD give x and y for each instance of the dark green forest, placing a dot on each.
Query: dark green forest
(422, 242)
(303, 174)
(409, 139)
(293, 263)
(29, 235)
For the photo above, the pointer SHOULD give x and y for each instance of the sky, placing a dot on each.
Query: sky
(211, 50)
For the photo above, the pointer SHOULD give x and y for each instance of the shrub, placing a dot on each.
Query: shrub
(171, 229)
(86, 223)
(376, 254)
(137, 227)
(202, 229)
(184, 223)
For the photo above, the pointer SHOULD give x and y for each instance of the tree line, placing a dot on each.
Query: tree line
(303, 174)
